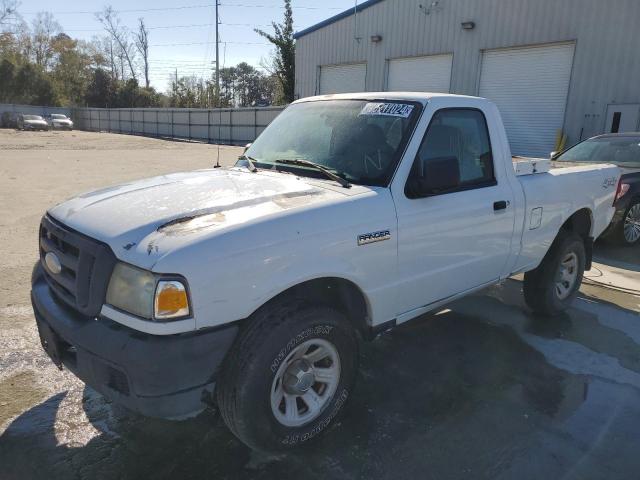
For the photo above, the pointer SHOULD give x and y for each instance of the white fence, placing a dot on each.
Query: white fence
(232, 126)
(32, 109)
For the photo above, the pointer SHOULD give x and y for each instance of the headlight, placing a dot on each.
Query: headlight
(131, 289)
(141, 293)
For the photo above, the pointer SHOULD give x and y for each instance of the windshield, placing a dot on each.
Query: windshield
(358, 140)
(622, 151)
(58, 116)
(32, 117)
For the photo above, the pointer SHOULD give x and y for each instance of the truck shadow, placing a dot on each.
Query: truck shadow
(449, 394)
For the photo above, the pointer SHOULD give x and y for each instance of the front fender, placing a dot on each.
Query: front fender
(233, 275)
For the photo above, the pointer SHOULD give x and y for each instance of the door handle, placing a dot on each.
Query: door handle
(501, 205)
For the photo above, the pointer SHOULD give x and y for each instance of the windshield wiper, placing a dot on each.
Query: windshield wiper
(251, 163)
(307, 163)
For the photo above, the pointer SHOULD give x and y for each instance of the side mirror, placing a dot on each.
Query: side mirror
(247, 147)
(433, 176)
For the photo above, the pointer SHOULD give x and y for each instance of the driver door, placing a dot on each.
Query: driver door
(455, 219)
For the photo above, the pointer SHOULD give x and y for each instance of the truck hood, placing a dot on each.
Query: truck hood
(143, 220)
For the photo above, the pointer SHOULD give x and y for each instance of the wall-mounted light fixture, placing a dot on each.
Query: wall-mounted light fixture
(376, 38)
(468, 25)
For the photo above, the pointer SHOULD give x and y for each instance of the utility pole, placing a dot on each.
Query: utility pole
(175, 89)
(217, 54)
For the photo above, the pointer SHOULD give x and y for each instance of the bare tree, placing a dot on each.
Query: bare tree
(8, 9)
(142, 43)
(45, 30)
(111, 23)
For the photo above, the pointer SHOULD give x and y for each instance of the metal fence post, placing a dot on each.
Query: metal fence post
(208, 126)
(189, 124)
(172, 134)
(255, 124)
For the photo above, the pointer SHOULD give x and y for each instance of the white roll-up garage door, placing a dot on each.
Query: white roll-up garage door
(420, 74)
(530, 87)
(343, 78)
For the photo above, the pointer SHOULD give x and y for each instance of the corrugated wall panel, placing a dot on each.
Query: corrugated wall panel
(607, 58)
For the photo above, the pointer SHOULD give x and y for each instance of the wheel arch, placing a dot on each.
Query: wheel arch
(581, 223)
(336, 292)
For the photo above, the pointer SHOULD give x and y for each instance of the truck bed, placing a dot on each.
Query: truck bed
(550, 191)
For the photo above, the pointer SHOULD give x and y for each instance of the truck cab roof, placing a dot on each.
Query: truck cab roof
(420, 97)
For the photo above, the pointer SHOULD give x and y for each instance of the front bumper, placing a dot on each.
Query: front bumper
(158, 376)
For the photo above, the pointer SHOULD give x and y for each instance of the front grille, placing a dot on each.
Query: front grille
(86, 266)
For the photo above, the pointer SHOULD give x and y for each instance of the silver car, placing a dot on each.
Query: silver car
(58, 121)
(32, 122)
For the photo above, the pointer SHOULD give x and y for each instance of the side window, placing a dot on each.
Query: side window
(455, 155)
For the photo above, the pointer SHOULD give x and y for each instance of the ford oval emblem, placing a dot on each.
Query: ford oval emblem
(52, 262)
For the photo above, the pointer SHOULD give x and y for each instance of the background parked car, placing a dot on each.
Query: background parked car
(623, 150)
(32, 122)
(9, 120)
(58, 121)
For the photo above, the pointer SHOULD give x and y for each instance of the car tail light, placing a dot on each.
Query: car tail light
(622, 190)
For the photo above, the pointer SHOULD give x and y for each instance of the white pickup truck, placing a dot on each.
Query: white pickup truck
(251, 286)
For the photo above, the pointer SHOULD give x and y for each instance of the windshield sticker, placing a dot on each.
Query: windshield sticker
(401, 110)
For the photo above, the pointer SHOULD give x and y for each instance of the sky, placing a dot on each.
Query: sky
(182, 33)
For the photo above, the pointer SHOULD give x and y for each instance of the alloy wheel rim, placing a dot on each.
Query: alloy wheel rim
(305, 383)
(632, 224)
(567, 276)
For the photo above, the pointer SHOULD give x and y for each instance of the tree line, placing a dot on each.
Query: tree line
(40, 64)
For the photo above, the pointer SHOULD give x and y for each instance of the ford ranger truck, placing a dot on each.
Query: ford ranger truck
(251, 286)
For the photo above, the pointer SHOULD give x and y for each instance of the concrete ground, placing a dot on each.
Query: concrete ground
(481, 389)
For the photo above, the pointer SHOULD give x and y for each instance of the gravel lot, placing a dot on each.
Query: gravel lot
(482, 389)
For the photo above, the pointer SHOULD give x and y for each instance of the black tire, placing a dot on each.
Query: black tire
(540, 291)
(245, 382)
(617, 236)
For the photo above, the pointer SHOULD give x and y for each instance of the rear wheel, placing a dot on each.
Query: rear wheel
(288, 375)
(630, 230)
(552, 287)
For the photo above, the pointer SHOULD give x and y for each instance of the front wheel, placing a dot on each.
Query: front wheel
(288, 376)
(551, 288)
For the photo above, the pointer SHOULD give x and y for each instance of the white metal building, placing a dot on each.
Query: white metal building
(570, 66)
